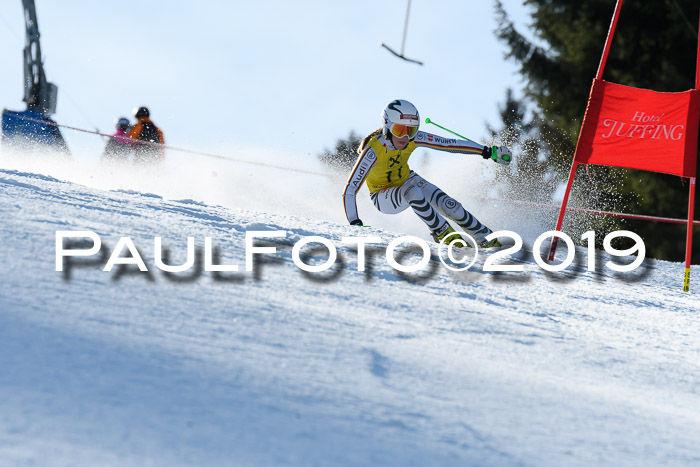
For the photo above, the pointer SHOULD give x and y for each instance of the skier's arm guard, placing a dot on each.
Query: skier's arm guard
(462, 146)
(357, 177)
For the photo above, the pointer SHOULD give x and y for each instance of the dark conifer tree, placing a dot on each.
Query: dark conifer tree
(654, 47)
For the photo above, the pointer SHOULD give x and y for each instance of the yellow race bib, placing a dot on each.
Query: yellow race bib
(391, 168)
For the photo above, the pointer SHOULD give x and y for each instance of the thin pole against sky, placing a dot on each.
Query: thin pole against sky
(405, 27)
(403, 41)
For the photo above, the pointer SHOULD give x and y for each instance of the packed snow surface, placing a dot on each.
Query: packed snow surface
(281, 367)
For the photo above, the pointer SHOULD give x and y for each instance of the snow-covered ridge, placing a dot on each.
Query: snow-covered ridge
(280, 368)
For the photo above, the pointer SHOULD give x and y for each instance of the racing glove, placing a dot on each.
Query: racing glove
(499, 154)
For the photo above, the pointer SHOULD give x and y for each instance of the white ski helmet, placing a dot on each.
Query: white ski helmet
(401, 118)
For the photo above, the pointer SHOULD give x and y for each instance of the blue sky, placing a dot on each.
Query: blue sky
(285, 77)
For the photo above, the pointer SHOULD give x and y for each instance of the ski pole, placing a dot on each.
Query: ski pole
(506, 157)
(429, 121)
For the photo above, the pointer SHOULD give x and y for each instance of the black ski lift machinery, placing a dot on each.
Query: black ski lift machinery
(33, 126)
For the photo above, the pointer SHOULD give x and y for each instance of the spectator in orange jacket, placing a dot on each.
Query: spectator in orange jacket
(149, 141)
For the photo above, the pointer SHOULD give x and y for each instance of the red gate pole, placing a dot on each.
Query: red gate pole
(689, 236)
(574, 164)
(562, 210)
(691, 195)
(608, 40)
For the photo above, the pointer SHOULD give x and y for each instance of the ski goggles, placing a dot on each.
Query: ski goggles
(399, 130)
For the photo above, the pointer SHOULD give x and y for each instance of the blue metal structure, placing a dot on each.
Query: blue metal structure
(30, 127)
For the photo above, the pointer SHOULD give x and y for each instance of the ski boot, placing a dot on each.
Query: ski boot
(492, 244)
(446, 231)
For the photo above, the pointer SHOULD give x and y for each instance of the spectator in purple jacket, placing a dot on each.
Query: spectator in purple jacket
(119, 146)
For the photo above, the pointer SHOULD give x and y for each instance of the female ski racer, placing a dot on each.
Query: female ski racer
(393, 186)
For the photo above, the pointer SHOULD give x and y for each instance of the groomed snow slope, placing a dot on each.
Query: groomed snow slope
(574, 368)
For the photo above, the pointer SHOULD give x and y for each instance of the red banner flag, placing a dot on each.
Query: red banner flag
(640, 129)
